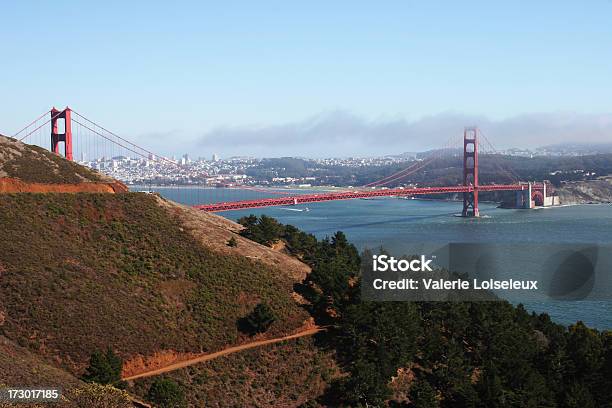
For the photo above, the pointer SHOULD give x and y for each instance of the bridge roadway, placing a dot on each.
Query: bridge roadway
(349, 195)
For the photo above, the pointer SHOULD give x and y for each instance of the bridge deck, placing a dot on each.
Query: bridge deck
(349, 195)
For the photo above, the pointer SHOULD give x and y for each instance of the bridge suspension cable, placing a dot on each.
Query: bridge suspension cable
(134, 148)
(145, 152)
(16, 135)
(450, 145)
(33, 123)
(513, 176)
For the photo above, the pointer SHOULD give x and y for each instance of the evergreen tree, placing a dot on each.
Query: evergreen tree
(490, 388)
(423, 395)
(585, 350)
(104, 368)
(579, 396)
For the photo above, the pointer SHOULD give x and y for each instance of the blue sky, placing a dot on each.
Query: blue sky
(282, 78)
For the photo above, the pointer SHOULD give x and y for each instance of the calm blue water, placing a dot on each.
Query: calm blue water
(397, 224)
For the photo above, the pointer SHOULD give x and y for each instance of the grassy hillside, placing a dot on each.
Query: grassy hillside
(34, 164)
(284, 375)
(85, 271)
(20, 366)
(148, 278)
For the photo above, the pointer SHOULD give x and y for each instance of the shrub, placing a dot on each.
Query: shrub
(166, 393)
(104, 368)
(100, 396)
(232, 242)
(258, 321)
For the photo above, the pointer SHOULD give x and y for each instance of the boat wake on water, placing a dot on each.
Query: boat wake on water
(295, 209)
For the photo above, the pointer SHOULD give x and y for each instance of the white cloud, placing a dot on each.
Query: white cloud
(340, 133)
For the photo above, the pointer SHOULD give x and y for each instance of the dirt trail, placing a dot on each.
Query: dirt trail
(206, 357)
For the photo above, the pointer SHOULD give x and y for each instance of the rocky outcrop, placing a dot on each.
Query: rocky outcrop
(584, 192)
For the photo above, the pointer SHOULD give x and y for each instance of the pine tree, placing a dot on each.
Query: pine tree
(104, 368)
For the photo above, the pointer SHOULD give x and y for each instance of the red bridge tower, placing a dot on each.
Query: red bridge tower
(66, 136)
(470, 172)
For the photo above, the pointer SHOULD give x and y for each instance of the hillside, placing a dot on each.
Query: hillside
(26, 168)
(584, 192)
(283, 375)
(151, 279)
(94, 256)
(18, 365)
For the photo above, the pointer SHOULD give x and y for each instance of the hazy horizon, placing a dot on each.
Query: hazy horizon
(349, 135)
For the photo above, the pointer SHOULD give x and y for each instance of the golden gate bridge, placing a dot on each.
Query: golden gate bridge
(80, 135)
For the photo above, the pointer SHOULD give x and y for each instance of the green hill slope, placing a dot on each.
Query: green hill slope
(37, 165)
(146, 277)
(84, 271)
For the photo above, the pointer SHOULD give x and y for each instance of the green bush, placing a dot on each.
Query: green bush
(104, 368)
(166, 393)
(258, 321)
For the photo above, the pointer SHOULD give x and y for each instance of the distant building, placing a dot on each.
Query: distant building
(215, 158)
(185, 160)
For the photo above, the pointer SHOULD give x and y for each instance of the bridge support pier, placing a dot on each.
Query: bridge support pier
(523, 198)
(65, 136)
(470, 172)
